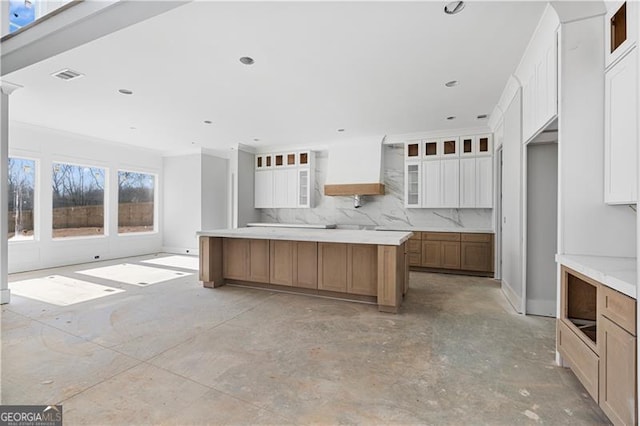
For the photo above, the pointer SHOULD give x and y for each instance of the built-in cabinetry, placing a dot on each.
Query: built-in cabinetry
(540, 88)
(596, 337)
(621, 105)
(452, 252)
(284, 180)
(453, 172)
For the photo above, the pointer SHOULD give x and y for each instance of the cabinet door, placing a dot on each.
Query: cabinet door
(621, 136)
(364, 270)
(258, 261)
(450, 175)
(468, 146)
(305, 265)
(332, 267)
(475, 256)
(528, 105)
(432, 254)
(304, 188)
(235, 258)
(450, 147)
(412, 187)
(450, 254)
(285, 188)
(431, 184)
(281, 262)
(484, 182)
(263, 189)
(617, 373)
(468, 182)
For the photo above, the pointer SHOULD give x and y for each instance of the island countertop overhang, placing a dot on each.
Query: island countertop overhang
(347, 236)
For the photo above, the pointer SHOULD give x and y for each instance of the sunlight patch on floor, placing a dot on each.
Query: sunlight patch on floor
(134, 274)
(184, 262)
(60, 290)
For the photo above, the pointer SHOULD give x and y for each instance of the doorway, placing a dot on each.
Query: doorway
(542, 224)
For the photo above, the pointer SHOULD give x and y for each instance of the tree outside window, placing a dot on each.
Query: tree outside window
(78, 200)
(135, 202)
(21, 198)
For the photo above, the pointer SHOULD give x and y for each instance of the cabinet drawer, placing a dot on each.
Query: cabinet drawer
(583, 361)
(619, 308)
(441, 236)
(415, 246)
(477, 238)
(415, 259)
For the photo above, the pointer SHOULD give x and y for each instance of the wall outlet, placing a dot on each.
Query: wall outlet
(96, 257)
(187, 251)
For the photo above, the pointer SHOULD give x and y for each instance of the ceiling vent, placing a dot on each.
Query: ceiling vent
(67, 74)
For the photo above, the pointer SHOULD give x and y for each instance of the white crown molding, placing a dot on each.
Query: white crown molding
(393, 139)
(8, 88)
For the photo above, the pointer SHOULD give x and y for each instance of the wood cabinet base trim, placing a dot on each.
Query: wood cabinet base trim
(304, 291)
(486, 274)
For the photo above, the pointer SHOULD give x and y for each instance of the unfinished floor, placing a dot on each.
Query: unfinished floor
(167, 351)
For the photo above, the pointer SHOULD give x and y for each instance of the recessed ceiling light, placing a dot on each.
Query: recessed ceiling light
(207, 121)
(341, 130)
(451, 117)
(482, 116)
(125, 91)
(454, 7)
(247, 60)
(452, 83)
(132, 128)
(256, 140)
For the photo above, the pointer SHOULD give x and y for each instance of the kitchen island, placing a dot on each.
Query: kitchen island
(366, 266)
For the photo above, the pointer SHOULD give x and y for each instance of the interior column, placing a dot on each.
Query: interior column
(6, 89)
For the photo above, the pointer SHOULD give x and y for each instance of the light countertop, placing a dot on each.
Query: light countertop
(434, 229)
(391, 238)
(292, 225)
(619, 273)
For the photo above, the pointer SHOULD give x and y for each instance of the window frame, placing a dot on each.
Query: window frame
(36, 198)
(155, 202)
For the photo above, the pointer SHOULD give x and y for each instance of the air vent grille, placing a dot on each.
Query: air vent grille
(67, 74)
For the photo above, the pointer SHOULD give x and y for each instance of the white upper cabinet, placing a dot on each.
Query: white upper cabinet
(284, 180)
(451, 172)
(484, 182)
(621, 133)
(621, 28)
(412, 192)
(540, 90)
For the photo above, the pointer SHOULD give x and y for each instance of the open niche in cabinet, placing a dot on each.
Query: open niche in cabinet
(580, 308)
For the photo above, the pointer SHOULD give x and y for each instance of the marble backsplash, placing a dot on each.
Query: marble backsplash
(383, 210)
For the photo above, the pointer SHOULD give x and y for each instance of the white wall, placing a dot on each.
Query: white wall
(47, 146)
(182, 203)
(512, 202)
(246, 212)
(588, 226)
(214, 192)
(542, 228)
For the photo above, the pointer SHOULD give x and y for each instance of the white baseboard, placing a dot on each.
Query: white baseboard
(181, 250)
(5, 296)
(512, 297)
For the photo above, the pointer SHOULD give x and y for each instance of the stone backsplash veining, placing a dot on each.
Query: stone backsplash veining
(383, 210)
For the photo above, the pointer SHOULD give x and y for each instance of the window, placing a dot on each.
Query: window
(78, 200)
(21, 13)
(135, 202)
(21, 191)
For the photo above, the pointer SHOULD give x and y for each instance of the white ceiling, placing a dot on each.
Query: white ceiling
(368, 67)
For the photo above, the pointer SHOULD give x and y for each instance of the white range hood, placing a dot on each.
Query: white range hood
(355, 167)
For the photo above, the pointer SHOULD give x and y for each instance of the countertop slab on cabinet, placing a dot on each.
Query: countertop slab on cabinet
(435, 229)
(618, 273)
(319, 235)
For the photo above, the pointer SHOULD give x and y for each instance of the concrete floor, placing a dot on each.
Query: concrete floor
(176, 353)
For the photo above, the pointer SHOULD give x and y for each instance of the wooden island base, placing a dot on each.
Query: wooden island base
(361, 272)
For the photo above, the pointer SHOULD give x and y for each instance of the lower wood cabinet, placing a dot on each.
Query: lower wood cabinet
(245, 259)
(456, 252)
(617, 373)
(294, 263)
(281, 262)
(348, 268)
(596, 338)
